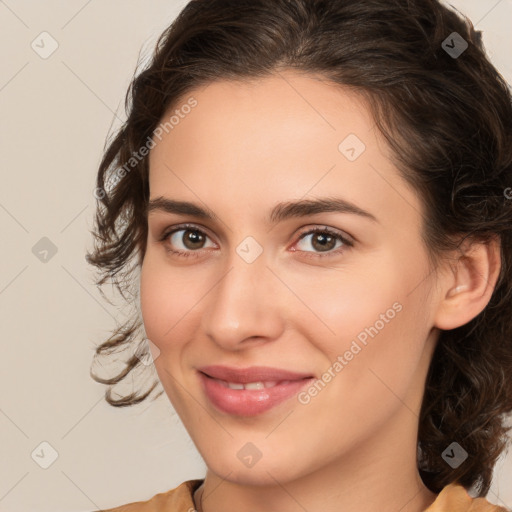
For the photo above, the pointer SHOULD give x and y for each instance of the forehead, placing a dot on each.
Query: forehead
(288, 105)
(289, 135)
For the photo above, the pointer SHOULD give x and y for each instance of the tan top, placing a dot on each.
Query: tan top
(453, 498)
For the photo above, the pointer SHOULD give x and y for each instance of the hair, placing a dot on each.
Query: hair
(448, 123)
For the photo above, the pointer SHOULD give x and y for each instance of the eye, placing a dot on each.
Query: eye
(324, 240)
(188, 241)
(187, 238)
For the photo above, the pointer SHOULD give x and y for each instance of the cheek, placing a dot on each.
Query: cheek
(163, 300)
(376, 316)
(340, 304)
(171, 301)
(150, 298)
(373, 357)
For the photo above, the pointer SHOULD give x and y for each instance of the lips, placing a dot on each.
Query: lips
(252, 374)
(250, 391)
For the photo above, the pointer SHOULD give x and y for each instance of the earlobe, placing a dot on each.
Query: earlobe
(468, 289)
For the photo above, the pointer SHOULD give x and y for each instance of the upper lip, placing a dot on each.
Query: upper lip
(251, 374)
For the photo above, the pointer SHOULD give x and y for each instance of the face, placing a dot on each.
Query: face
(338, 293)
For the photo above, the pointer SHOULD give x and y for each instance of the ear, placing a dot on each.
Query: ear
(467, 288)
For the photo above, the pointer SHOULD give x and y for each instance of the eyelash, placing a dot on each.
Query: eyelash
(187, 254)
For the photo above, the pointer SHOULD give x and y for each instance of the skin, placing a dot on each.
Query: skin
(244, 148)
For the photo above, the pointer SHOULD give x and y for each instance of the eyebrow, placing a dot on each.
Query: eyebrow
(279, 213)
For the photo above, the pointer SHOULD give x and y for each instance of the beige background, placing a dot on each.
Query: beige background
(55, 114)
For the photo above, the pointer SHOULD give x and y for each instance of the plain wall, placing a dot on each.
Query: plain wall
(55, 115)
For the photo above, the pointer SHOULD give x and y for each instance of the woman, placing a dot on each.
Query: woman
(317, 195)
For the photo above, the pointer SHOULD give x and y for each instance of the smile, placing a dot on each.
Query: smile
(251, 385)
(250, 391)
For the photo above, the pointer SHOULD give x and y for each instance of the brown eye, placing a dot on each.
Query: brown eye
(192, 239)
(185, 240)
(323, 240)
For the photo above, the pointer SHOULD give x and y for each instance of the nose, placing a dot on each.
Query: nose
(242, 310)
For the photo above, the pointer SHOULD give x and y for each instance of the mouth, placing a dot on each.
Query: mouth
(251, 385)
(250, 391)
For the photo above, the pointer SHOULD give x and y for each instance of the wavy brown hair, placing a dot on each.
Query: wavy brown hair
(448, 121)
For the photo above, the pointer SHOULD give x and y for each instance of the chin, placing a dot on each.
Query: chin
(262, 473)
(253, 477)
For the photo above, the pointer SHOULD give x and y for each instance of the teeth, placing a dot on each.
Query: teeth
(252, 385)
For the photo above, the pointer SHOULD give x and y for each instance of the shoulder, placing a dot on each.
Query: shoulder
(179, 499)
(455, 498)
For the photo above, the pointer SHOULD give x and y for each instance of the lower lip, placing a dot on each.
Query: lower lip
(249, 402)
